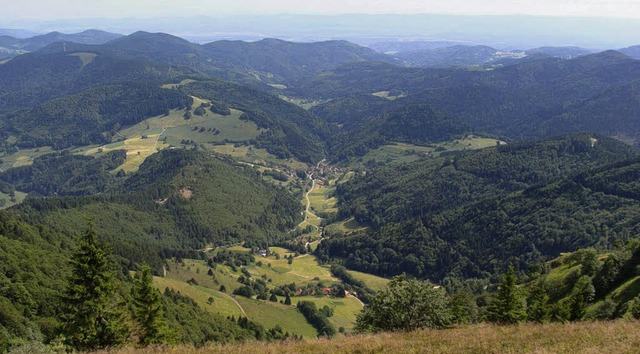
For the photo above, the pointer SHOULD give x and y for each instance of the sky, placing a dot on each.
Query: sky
(77, 9)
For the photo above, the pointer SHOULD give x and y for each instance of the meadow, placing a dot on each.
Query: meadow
(277, 271)
(582, 337)
(401, 152)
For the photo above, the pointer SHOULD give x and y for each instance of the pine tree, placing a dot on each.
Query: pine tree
(92, 318)
(582, 294)
(509, 305)
(538, 309)
(287, 300)
(147, 309)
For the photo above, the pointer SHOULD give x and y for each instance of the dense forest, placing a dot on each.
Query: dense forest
(179, 200)
(529, 100)
(469, 215)
(92, 116)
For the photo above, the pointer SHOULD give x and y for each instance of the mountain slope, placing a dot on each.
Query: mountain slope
(468, 216)
(92, 116)
(254, 64)
(458, 55)
(12, 46)
(288, 60)
(292, 130)
(531, 100)
(178, 201)
(91, 36)
(32, 79)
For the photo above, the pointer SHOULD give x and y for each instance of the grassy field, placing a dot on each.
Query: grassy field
(301, 102)
(400, 152)
(276, 271)
(86, 58)
(23, 157)
(345, 226)
(373, 281)
(5, 199)
(138, 149)
(270, 314)
(198, 128)
(387, 95)
(256, 156)
(153, 134)
(582, 337)
(321, 198)
(181, 83)
(344, 309)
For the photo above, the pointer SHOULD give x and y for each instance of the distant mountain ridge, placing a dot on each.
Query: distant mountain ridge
(269, 61)
(529, 100)
(290, 60)
(15, 46)
(458, 55)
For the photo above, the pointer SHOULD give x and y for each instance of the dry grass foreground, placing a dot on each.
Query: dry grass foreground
(585, 337)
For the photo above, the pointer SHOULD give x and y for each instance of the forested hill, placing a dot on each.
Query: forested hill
(32, 79)
(255, 64)
(470, 215)
(12, 46)
(179, 200)
(289, 61)
(292, 131)
(531, 100)
(35, 43)
(35, 272)
(92, 116)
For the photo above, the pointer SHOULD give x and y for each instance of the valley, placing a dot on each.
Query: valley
(281, 191)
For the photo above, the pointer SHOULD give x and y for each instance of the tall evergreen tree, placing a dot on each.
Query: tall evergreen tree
(538, 309)
(92, 319)
(581, 295)
(147, 309)
(509, 305)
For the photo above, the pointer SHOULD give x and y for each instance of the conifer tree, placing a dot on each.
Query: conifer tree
(538, 309)
(583, 293)
(147, 309)
(509, 305)
(92, 318)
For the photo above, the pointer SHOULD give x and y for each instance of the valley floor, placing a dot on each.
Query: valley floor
(585, 337)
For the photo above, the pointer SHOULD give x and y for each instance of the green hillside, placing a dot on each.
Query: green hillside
(471, 214)
(292, 131)
(90, 117)
(33, 79)
(302, 275)
(178, 200)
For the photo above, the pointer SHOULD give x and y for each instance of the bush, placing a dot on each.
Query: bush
(405, 305)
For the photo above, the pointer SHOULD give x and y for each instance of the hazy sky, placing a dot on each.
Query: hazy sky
(67, 9)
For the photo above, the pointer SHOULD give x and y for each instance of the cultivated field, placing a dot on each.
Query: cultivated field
(276, 271)
(401, 152)
(153, 134)
(5, 199)
(23, 157)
